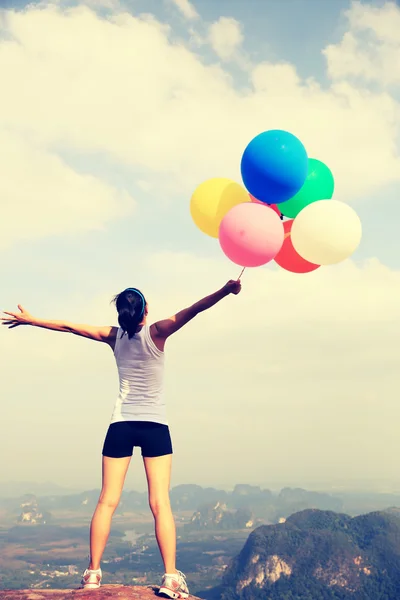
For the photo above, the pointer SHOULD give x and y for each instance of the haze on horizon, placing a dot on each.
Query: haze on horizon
(293, 382)
(136, 482)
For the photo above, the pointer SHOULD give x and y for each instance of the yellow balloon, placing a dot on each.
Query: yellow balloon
(212, 199)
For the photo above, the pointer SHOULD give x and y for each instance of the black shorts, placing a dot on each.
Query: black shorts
(121, 437)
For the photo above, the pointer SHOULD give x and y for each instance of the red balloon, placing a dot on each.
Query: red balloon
(273, 206)
(288, 258)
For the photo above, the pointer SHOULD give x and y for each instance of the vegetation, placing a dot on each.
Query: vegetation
(328, 556)
(213, 534)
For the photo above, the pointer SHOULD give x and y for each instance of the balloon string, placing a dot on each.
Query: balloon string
(241, 273)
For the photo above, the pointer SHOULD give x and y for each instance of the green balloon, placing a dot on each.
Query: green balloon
(319, 185)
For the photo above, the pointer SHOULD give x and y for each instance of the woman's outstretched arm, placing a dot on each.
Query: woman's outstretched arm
(100, 334)
(163, 329)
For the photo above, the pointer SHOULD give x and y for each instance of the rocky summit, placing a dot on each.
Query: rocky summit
(105, 592)
(319, 555)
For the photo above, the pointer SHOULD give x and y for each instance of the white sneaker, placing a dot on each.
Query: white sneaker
(91, 580)
(174, 586)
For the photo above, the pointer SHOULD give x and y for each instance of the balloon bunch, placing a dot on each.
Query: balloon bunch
(280, 181)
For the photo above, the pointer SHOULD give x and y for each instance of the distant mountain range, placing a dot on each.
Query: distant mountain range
(251, 503)
(14, 489)
(219, 517)
(213, 509)
(318, 555)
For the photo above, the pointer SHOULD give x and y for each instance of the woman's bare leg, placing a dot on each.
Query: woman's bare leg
(113, 474)
(158, 473)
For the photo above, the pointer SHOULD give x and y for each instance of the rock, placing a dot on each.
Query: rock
(122, 592)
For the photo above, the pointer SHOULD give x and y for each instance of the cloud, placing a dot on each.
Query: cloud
(43, 196)
(370, 51)
(112, 5)
(187, 9)
(285, 370)
(226, 37)
(74, 80)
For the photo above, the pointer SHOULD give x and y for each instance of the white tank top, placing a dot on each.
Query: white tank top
(141, 372)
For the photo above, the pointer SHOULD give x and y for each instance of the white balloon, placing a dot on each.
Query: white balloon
(326, 232)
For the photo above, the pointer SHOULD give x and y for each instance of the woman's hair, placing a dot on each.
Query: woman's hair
(130, 306)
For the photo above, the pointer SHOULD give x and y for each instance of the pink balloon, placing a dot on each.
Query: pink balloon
(251, 234)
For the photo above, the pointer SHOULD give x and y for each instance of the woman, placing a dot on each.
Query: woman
(139, 419)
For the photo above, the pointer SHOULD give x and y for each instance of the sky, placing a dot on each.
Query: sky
(111, 114)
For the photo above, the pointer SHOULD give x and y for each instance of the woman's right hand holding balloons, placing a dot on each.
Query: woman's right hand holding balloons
(233, 287)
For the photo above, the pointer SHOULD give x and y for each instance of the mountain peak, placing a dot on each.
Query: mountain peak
(319, 554)
(105, 592)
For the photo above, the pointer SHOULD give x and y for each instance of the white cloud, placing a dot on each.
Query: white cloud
(371, 49)
(122, 87)
(41, 195)
(97, 4)
(286, 369)
(382, 21)
(146, 186)
(263, 76)
(94, 4)
(187, 9)
(226, 37)
(291, 365)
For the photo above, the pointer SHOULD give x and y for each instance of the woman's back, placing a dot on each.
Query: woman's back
(141, 377)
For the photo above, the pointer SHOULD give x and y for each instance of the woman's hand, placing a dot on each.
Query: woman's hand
(233, 287)
(15, 319)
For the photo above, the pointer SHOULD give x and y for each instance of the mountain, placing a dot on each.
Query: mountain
(14, 489)
(190, 496)
(261, 502)
(31, 513)
(318, 555)
(292, 500)
(217, 517)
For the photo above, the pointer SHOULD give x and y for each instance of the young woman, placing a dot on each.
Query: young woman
(139, 419)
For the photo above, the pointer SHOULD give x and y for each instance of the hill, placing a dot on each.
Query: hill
(318, 555)
(219, 517)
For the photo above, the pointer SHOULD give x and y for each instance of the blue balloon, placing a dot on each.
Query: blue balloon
(274, 166)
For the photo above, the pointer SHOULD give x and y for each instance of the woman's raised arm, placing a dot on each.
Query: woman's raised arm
(163, 329)
(100, 334)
